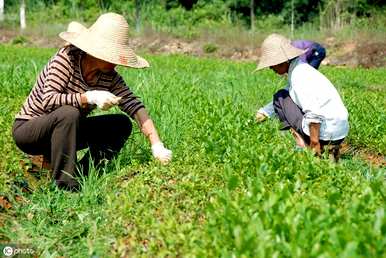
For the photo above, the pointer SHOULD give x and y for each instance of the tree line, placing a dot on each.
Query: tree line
(295, 12)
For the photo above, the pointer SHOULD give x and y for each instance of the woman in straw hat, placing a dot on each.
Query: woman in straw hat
(313, 54)
(310, 106)
(53, 120)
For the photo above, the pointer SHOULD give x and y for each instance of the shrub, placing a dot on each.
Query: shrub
(210, 48)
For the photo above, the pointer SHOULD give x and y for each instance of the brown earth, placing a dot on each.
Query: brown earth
(375, 159)
(353, 54)
(360, 53)
(350, 54)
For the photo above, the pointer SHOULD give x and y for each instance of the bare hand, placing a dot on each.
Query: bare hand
(260, 117)
(315, 146)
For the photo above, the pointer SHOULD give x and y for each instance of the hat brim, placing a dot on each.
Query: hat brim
(75, 26)
(266, 62)
(118, 54)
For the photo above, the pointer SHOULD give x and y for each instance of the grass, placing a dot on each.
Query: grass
(234, 188)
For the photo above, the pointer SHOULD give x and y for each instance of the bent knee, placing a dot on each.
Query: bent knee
(124, 124)
(280, 94)
(67, 113)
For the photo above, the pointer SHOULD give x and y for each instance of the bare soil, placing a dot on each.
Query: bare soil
(375, 159)
(360, 53)
(350, 54)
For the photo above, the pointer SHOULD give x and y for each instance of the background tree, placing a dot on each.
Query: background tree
(187, 15)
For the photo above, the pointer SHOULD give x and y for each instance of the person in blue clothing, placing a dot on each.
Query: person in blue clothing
(315, 53)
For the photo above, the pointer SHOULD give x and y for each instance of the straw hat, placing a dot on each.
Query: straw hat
(277, 49)
(107, 39)
(75, 27)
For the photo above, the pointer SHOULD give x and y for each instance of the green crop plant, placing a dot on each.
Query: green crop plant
(234, 189)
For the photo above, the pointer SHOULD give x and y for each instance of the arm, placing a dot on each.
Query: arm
(58, 76)
(267, 110)
(147, 126)
(56, 90)
(314, 137)
(134, 107)
(148, 129)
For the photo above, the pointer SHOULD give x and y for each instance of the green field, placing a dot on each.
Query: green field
(234, 188)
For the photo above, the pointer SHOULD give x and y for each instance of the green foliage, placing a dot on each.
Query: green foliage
(210, 48)
(174, 16)
(234, 188)
(304, 10)
(180, 22)
(366, 109)
(270, 22)
(19, 40)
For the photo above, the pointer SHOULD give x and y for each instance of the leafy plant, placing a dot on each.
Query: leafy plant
(234, 188)
(209, 48)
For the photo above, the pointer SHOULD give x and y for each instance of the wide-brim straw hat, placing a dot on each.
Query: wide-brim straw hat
(76, 27)
(277, 49)
(107, 39)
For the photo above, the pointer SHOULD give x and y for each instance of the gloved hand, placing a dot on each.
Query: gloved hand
(161, 153)
(260, 117)
(103, 99)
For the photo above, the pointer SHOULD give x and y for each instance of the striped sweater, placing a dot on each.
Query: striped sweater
(61, 83)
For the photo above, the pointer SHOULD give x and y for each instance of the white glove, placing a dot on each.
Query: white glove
(103, 99)
(161, 153)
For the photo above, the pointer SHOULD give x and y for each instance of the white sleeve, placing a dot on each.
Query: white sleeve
(267, 110)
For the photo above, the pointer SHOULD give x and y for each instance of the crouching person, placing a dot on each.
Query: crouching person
(310, 106)
(80, 77)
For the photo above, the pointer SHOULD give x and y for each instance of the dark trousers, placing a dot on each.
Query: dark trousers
(59, 134)
(291, 116)
(318, 53)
